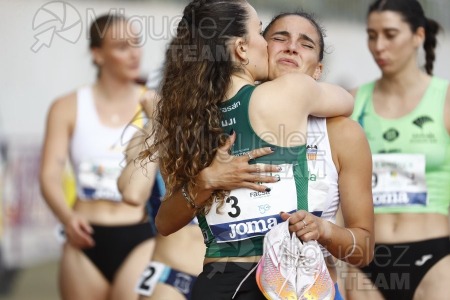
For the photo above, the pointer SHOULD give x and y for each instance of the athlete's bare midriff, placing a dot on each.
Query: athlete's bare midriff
(182, 250)
(245, 259)
(410, 227)
(105, 212)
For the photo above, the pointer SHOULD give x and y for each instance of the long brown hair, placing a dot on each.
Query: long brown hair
(197, 74)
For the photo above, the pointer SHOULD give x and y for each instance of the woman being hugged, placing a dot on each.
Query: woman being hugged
(107, 241)
(406, 116)
(208, 93)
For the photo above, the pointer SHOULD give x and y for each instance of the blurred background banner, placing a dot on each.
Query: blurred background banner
(28, 233)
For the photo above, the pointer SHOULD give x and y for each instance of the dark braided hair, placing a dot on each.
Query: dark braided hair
(413, 14)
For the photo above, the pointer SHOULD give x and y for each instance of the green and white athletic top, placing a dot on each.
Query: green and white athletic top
(411, 154)
(237, 229)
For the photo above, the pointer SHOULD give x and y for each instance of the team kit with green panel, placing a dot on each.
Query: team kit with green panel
(308, 179)
(411, 174)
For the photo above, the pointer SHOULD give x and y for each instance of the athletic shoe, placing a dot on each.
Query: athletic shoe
(313, 279)
(290, 270)
(276, 272)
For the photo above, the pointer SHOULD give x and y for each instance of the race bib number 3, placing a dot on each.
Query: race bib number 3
(399, 180)
(247, 213)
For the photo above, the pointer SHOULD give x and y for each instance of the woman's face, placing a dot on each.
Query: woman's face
(294, 46)
(392, 43)
(120, 53)
(256, 47)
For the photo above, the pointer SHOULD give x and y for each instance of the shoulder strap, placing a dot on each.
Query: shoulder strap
(362, 99)
(301, 176)
(140, 118)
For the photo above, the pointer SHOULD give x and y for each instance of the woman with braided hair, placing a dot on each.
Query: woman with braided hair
(406, 116)
(209, 93)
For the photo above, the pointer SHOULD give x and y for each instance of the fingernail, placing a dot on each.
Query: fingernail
(231, 132)
(268, 189)
(272, 149)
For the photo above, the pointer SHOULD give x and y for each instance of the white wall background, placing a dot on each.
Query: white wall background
(30, 81)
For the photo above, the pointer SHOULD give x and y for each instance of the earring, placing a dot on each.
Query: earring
(316, 75)
(246, 62)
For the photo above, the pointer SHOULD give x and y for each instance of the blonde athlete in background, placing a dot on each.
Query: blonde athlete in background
(406, 116)
(108, 241)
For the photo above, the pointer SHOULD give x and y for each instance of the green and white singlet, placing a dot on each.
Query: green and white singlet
(237, 228)
(411, 154)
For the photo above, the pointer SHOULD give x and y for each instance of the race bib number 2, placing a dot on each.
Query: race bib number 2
(149, 278)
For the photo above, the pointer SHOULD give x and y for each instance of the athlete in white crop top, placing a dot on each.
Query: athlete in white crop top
(107, 241)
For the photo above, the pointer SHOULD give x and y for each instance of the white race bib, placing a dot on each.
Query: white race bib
(99, 180)
(150, 278)
(399, 180)
(247, 213)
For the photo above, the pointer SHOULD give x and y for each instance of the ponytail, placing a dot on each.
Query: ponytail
(431, 30)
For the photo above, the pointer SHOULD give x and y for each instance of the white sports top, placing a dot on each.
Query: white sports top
(321, 165)
(97, 151)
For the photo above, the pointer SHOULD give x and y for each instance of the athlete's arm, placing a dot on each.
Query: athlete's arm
(298, 92)
(60, 122)
(54, 157)
(136, 181)
(331, 100)
(354, 159)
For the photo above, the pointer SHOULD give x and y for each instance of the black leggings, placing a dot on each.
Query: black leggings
(220, 280)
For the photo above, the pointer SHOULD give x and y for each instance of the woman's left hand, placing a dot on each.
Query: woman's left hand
(305, 225)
